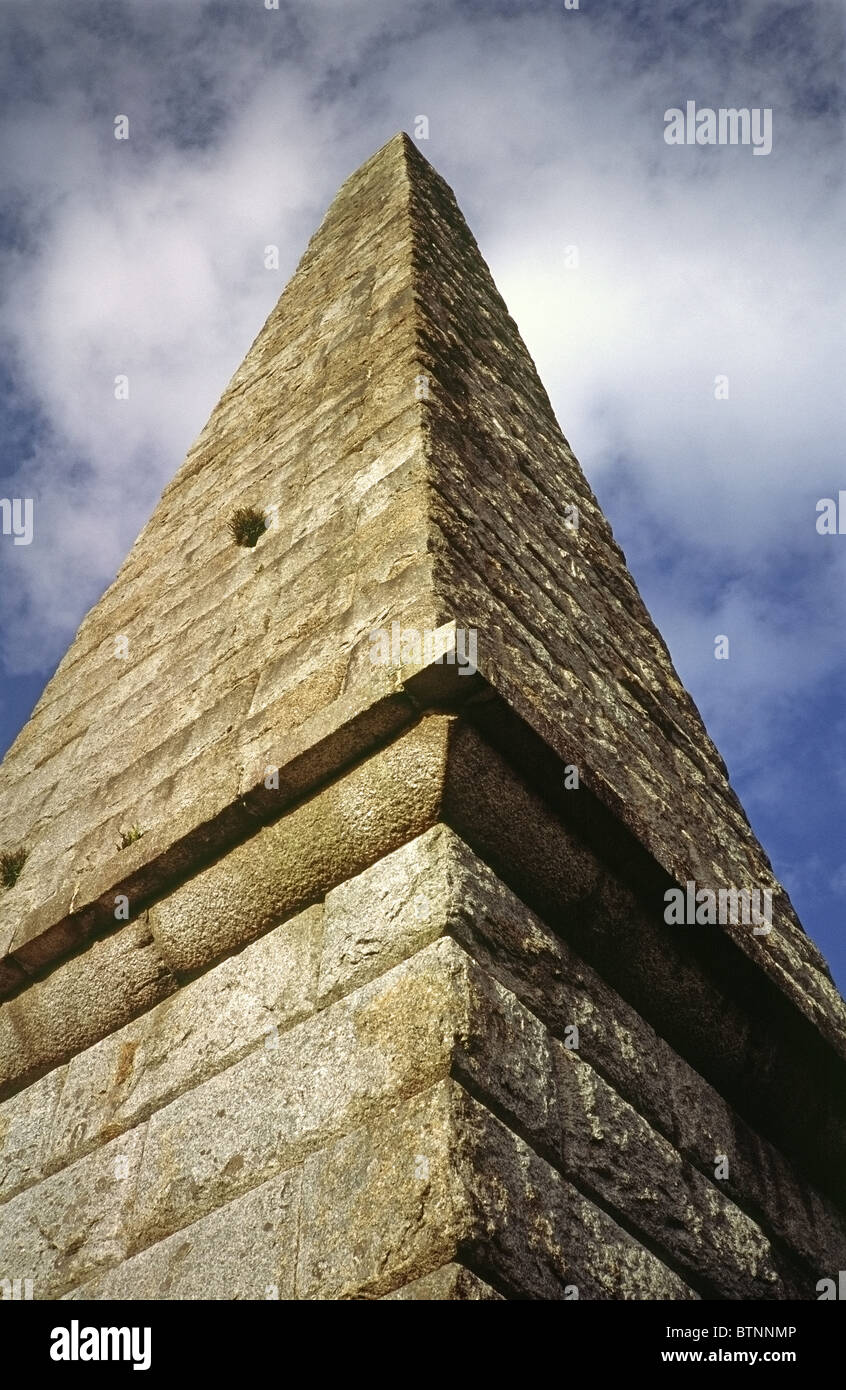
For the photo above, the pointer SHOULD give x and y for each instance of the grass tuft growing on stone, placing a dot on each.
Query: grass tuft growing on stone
(11, 863)
(128, 837)
(247, 525)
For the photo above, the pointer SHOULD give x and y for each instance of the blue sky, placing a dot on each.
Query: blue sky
(145, 257)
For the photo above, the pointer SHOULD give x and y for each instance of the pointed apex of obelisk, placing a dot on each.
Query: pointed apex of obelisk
(235, 645)
(368, 217)
(398, 163)
(399, 144)
(391, 160)
(400, 149)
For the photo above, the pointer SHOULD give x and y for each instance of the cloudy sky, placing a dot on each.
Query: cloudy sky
(146, 257)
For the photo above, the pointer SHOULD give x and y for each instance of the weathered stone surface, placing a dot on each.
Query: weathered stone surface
(204, 1028)
(610, 1152)
(381, 1203)
(74, 1223)
(122, 1079)
(564, 634)
(383, 915)
(25, 1124)
(436, 883)
(727, 1019)
(378, 805)
(453, 1282)
(521, 951)
(386, 1040)
(93, 994)
(207, 822)
(568, 1112)
(397, 1199)
(11, 974)
(542, 1235)
(430, 1014)
(246, 1250)
(390, 1038)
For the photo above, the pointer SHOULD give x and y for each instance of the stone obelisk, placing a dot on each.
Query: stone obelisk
(335, 955)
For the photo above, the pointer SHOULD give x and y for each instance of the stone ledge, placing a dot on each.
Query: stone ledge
(729, 1019)
(380, 803)
(562, 853)
(223, 814)
(225, 810)
(120, 1081)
